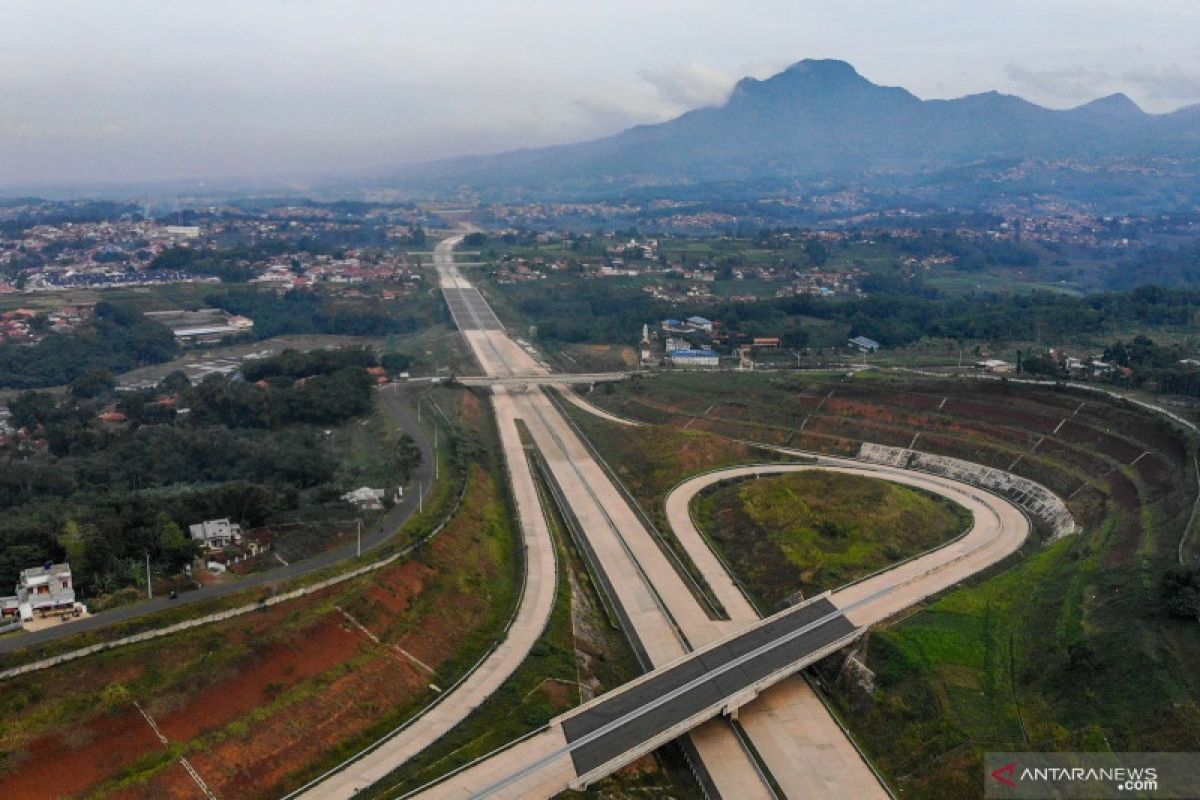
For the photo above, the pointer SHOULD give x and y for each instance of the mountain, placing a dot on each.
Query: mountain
(820, 120)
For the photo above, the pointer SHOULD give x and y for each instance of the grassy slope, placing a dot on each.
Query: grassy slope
(814, 531)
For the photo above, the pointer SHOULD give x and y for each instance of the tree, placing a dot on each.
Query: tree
(173, 546)
(28, 409)
(176, 381)
(1041, 365)
(1181, 591)
(93, 383)
(73, 544)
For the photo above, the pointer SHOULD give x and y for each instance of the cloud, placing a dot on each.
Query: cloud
(1158, 88)
(690, 85)
(609, 114)
(1171, 83)
(1073, 84)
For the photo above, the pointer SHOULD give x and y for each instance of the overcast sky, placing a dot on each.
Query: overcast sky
(124, 90)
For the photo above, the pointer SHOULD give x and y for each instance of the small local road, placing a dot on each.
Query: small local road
(372, 538)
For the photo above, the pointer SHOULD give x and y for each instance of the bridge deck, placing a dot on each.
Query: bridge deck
(609, 729)
(543, 380)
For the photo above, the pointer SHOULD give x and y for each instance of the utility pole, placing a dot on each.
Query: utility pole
(358, 550)
(420, 498)
(418, 411)
(436, 460)
(149, 583)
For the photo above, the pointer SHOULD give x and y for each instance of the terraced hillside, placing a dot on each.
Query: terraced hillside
(1067, 647)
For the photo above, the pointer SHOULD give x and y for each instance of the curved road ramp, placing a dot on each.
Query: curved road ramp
(599, 737)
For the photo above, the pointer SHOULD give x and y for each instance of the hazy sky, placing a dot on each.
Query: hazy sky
(117, 90)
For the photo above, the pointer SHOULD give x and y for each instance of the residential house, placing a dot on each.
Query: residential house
(994, 365)
(41, 591)
(216, 534)
(366, 498)
(864, 344)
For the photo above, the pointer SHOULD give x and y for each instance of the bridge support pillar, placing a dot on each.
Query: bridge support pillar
(735, 702)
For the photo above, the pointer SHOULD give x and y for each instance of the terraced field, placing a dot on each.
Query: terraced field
(1066, 647)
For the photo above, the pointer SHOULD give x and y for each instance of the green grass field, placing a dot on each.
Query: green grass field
(812, 531)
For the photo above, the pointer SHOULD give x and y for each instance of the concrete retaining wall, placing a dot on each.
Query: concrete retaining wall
(1039, 501)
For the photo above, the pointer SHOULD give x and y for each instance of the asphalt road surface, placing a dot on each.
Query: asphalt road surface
(699, 682)
(371, 539)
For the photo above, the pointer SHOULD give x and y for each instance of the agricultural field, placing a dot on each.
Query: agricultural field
(259, 703)
(811, 531)
(1066, 646)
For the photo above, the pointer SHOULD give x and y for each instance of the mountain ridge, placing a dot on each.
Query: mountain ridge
(821, 119)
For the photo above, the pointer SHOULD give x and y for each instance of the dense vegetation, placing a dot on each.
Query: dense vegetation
(117, 339)
(319, 387)
(83, 484)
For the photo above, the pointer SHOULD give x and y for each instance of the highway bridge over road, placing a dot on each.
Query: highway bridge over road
(552, 379)
(592, 741)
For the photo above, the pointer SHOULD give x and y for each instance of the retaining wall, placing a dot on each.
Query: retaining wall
(1036, 499)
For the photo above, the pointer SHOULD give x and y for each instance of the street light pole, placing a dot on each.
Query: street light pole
(149, 583)
(358, 550)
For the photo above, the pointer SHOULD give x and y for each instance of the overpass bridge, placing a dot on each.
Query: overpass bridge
(543, 380)
(594, 740)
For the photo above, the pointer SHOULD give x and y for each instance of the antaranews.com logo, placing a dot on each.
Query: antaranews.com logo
(1092, 776)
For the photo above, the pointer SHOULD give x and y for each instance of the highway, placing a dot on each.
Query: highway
(371, 539)
(591, 741)
(665, 619)
(646, 583)
(797, 741)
